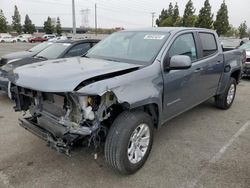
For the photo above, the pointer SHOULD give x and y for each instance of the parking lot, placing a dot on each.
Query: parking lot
(204, 147)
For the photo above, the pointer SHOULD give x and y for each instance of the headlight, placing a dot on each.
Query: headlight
(86, 108)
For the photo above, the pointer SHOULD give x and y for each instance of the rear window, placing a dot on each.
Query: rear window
(208, 43)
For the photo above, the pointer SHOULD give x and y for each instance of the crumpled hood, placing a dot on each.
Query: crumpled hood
(18, 55)
(64, 75)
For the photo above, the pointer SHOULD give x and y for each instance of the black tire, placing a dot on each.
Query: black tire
(221, 100)
(118, 139)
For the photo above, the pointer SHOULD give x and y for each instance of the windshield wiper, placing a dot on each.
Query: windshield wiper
(41, 57)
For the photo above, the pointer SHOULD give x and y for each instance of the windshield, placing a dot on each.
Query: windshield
(246, 46)
(40, 47)
(130, 46)
(53, 51)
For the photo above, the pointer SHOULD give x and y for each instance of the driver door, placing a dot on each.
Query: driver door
(181, 87)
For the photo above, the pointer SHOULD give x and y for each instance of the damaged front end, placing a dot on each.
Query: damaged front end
(65, 119)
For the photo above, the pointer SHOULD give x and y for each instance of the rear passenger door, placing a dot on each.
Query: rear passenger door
(213, 64)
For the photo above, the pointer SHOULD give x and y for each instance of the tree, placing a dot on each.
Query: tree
(162, 16)
(232, 32)
(48, 26)
(205, 19)
(166, 17)
(221, 24)
(189, 18)
(243, 30)
(58, 26)
(3, 23)
(28, 27)
(176, 14)
(16, 21)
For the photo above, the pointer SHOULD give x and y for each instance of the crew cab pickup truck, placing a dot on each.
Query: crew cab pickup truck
(125, 86)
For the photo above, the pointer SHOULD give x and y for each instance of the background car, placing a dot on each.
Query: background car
(246, 66)
(58, 38)
(38, 39)
(49, 36)
(7, 39)
(23, 38)
(60, 49)
(23, 54)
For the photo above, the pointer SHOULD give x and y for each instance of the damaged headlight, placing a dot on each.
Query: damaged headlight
(86, 107)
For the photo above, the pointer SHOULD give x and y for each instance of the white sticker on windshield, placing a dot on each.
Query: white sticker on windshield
(66, 44)
(154, 37)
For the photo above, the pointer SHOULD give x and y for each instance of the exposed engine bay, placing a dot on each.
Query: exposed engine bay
(65, 119)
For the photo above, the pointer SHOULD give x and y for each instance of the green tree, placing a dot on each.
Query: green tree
(243, 30)
(162, 16)
(221, 24)
(16, 21)
(189, 18)
(58, 26)
(176, 15)
(232, 32)
(3, 23)
(205, 19)
(28, 27)
(166, 19)
(48, 26)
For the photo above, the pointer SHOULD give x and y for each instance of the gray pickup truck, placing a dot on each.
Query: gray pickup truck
(127, 85)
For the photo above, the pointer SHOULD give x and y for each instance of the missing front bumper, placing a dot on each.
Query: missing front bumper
(63, 144)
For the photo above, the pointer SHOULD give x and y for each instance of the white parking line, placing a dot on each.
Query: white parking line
(218, 155)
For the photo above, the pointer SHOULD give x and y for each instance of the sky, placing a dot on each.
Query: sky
(114, 13)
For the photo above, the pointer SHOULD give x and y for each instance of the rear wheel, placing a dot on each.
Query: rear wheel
(129, 142)
(225, 100)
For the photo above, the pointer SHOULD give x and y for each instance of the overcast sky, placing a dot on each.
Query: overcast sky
(114, 13)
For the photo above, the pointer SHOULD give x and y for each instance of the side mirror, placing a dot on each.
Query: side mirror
(179, 62)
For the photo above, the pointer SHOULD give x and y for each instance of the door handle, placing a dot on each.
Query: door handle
(218, 62)
(198, 70)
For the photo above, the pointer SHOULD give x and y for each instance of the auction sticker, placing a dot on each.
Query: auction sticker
(154, 37)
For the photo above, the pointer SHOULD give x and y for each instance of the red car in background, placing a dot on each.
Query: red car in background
(38, 39)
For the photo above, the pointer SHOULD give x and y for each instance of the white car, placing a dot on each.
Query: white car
(7, 39)
(49, 36)
(23, 38)
(58, 39)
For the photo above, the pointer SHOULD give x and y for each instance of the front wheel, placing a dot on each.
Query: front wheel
(129, 142)
(225, 100)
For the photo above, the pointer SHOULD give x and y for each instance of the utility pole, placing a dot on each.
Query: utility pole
(95, 19)
(153, 17)
(74, 18)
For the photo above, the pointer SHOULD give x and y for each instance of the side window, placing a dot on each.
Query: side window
(208, 43)
(184, 45)
(78, 50)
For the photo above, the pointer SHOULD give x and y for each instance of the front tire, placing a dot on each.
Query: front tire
(129, 142)
(225, 100)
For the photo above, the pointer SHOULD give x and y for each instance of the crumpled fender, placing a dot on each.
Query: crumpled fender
(138, 88)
